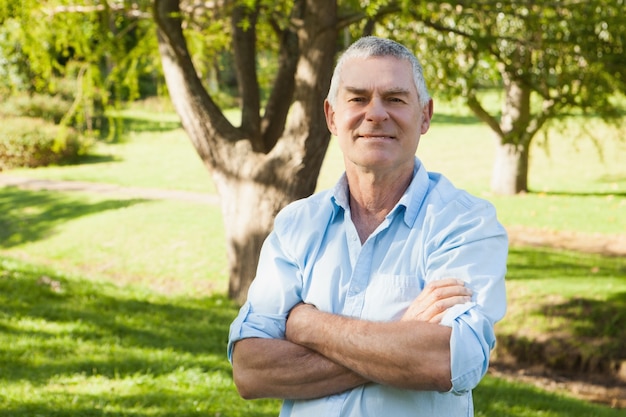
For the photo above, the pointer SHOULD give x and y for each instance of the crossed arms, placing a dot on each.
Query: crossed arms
(324, 353)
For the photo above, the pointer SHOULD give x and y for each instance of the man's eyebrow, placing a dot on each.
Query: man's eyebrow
(356, 90)
(396, 91)
(387, 92)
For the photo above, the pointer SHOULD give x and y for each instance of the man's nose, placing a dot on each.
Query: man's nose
(376, 110)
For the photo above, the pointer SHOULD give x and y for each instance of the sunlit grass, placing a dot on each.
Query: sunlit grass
(75, 347)
(115, 306)
(499, 398)
(172, 246)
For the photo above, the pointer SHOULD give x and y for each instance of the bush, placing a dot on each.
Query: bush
(51, 108)
(33, 142)
(55, 108)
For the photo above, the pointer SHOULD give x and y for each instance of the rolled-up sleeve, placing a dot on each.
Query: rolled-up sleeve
(470, 346)
(474, 249)
(275, 290)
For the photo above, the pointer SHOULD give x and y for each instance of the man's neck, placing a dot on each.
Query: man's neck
(373, 196)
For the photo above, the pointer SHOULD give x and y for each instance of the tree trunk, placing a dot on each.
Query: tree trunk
(268, 161)
(248, 210)
(510, 169)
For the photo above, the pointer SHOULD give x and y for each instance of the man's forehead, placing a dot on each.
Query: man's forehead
(387, 73)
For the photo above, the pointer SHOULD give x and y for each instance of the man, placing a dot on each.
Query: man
(376, 298)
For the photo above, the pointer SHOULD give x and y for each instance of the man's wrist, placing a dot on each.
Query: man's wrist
(300, 322)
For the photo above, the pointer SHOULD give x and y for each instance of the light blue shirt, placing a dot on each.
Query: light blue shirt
(435, 231)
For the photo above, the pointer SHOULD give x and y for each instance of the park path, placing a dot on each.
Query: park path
(612, 245)
(109, 189)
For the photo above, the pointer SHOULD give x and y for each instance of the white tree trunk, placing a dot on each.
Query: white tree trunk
(510, 169)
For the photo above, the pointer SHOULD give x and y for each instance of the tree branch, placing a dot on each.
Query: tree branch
(189, 96)
(281, 95)
(483, 115)
(243, 25)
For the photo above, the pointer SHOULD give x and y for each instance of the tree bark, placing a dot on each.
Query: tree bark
(510, 169)
(248, 210)
(268, 161)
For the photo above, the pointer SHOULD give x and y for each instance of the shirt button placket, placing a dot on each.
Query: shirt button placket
(358, 283)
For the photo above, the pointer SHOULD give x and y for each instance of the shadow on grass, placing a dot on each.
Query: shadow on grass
(27, 216)
(530, 263)
(499, 398)
(98, 316)
(116, 128)
(93, 159)
(593, 340)
(154, 352)
(144, 125)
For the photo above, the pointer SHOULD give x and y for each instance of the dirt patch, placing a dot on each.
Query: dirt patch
(589, 387)
(609, 245)
(601, 382)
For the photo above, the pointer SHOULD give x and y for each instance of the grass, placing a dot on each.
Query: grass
(566, 309)
(115, 306)
(76, 347)
(151, 159)
(172, 245)
(498, 398)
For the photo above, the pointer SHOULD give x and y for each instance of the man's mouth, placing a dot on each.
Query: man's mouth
(376, 136)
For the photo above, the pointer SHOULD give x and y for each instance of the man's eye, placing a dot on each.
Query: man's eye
(356, 99)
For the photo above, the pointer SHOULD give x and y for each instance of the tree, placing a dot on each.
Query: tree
(274, 156)
(549, 57)
(544, 53)
(94, 55)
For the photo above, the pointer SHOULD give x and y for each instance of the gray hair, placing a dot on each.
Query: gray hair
(370, 46)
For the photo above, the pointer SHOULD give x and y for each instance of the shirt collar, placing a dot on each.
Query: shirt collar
(410, 201)
(339, 196)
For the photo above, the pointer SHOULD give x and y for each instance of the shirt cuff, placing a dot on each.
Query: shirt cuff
(247, 324)
(470, 345)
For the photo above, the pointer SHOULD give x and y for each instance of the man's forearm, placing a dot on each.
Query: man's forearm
(405, 354)
(273, 368)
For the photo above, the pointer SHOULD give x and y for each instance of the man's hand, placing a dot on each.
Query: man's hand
(436, 298)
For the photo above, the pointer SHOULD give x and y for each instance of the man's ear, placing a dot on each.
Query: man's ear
(330, 117)
(427, 115)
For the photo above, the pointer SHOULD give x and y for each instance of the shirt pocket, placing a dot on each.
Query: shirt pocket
(388, 296)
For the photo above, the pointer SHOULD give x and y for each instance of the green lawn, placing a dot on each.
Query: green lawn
(116, 307)
(76, 347)
(72, 346)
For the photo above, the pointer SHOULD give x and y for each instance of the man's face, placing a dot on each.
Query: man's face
(377, 117)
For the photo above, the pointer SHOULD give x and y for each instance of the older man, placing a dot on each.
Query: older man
(378, 297)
